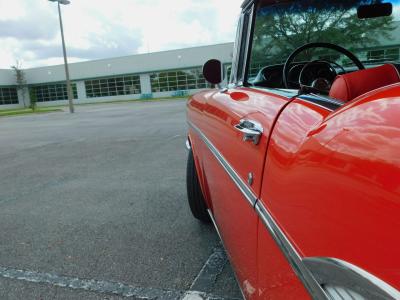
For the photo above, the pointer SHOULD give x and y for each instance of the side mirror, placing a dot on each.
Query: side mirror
(212, 71)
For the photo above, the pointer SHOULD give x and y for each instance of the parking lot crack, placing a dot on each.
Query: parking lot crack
(210, 271)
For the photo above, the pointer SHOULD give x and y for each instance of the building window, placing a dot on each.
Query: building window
(8, 95)
(53, 92)
(113, 86)
(391, 54)
(376, 55)
(255, 68)
(228, 72)
(188, 79)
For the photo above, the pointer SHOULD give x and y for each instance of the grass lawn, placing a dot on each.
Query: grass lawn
(25, 111)
(76, 102)
(47, 109)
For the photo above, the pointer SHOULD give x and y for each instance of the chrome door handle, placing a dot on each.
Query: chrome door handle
(251, 130)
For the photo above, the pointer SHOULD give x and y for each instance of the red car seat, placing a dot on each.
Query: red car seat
(349, 86)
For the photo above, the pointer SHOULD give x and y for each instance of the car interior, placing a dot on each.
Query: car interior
(331, 65)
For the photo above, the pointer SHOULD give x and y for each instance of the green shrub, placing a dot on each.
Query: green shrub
(33, 98)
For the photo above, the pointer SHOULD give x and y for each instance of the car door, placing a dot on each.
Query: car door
(235, 128)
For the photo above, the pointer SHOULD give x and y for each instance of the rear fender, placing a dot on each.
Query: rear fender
(334, 177)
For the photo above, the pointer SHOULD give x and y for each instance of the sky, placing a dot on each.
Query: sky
(95, 29)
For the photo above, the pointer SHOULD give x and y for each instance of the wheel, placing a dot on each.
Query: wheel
(195, 195)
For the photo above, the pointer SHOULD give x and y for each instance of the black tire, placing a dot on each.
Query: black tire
(195, 195)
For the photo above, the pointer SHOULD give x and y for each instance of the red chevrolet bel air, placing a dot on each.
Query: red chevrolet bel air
(296, 156)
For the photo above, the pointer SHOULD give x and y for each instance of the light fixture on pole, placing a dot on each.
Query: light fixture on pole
(69, 87)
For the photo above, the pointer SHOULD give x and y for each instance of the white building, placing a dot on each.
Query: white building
(152, 75)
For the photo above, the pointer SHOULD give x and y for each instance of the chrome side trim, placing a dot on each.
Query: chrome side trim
(342, 278)
(246, 2)
(294, 259)
(188, 146)
(214, 223)
(241, 185)
(316, 104)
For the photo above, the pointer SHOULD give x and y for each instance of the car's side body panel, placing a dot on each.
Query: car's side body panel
(227, 160)
(331, 181)
(312, 210)
(236, 221)
(195, 109)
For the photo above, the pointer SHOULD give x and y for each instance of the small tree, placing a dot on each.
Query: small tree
(285, 28)
(32, 95)
(20, 80)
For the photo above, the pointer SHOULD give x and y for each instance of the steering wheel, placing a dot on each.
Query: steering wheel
(321, 83)
(296, 52)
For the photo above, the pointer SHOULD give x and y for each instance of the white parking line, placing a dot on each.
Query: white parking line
(197, 296)
(99, 286)
(205, 280)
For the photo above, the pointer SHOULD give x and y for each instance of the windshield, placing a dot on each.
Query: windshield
(283, 27)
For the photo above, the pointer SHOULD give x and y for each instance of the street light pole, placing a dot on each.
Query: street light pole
(69, 86)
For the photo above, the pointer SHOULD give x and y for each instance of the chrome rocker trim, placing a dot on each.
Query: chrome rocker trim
(214, 223)
(187, 144)
(348, 282)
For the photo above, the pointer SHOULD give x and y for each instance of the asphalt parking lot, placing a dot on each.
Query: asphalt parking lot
(93, 206)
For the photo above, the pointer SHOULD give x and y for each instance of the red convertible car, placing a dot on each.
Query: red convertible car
(296, 158)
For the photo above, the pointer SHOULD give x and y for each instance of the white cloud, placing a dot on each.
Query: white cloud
(99, 29)
(14, 9)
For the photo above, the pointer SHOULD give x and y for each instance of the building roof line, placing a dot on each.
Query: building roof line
(130, 55)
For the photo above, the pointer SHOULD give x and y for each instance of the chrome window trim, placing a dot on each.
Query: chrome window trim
(280, 92)
(240, 184)
(242, 40)
(305, 98)
(249, 11)
(316, 104)
(246, 3)
(236, 51)
(327, 99)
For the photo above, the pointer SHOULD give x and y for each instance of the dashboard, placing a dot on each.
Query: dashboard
(272, 76)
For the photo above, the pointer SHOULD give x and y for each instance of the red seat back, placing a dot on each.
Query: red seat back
(349, 86)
